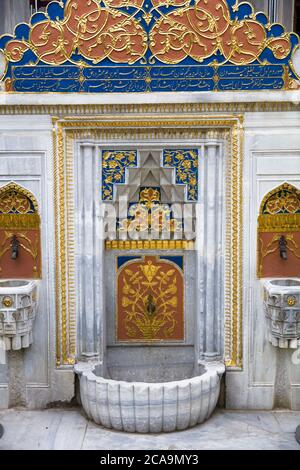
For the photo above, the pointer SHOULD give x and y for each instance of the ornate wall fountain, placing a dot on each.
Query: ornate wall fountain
(151, 331)
(83, 153)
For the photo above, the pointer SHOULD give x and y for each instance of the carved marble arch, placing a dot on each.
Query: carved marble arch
(14, 199)
(284, 199)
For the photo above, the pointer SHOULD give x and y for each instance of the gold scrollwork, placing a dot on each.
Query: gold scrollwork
(100, 32)
(291, 300)
(285, 199)
(150, 215)
(7, 302)
(17, 200)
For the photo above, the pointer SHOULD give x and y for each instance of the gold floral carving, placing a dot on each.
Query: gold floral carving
(7, 302)
(283, 199)
(22, 221)
(149, 215)
(150, 301)
(102, 31)
(16, 200)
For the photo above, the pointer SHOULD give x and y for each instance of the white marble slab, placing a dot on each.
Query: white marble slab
(67, 429)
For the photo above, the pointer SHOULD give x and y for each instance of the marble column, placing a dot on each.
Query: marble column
(212, 250)
(90, 253)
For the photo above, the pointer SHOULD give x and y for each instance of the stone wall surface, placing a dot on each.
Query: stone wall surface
(269, 377)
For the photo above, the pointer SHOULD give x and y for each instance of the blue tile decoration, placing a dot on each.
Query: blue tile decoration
(175, 259)
(114, 164)
(185, 162)
(148, 46)
(124, 259)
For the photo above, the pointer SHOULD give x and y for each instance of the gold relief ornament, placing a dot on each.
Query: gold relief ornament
(14, 203)
(149, 215)
(283, 203)
(96, 32)
(280, 210)
(291, 301)
(18, 208)
(7, 302)
(285, 199)
(114, 164)
(150, 301)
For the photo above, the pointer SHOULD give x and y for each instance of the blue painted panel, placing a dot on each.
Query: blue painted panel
(175, 259)
(124, 259)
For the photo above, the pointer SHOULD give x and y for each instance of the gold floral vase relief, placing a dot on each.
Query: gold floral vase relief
(150, 301)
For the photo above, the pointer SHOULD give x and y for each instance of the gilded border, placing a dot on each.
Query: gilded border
(64, 110)
(66, 131)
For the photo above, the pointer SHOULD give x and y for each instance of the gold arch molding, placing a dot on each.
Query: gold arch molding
(229, 129)
(20, 190)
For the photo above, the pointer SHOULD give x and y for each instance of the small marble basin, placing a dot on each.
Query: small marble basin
(284, 283)
(18, 307)
(282, 311)
(14, 286)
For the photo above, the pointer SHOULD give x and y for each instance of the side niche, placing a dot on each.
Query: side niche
(279, 233)
(150, 299)
(20, 238)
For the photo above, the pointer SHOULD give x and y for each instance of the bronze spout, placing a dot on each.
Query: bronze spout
(14, 247)
(282, 247)
(150, 305)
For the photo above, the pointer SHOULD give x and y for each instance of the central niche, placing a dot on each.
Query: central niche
(150, 293)
(149, 195)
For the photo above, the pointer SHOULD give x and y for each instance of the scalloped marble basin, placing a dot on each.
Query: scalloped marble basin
(149, 407)
(18, 306)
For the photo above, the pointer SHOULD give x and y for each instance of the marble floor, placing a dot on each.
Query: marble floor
(69, 429)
